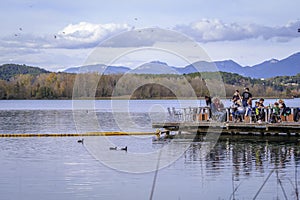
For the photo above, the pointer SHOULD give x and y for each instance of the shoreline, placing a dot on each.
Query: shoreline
(164, 98)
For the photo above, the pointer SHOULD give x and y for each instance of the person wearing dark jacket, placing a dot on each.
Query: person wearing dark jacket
(208, 104)
(245, 97)
(236, 96)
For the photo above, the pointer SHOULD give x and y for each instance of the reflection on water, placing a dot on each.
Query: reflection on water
(250, 164)
(60, 168)
(246, 157)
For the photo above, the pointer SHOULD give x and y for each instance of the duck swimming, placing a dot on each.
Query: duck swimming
(80, 141)
(124, 149)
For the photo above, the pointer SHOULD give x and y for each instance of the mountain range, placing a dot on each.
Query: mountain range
(267, 69)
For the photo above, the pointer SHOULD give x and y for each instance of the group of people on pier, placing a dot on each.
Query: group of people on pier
(243, 109)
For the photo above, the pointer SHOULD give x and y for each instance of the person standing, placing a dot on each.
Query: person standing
(208, 101)
(208, 104)
(245, 97)
(236, 96)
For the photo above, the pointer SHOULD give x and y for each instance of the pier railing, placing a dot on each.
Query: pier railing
(195, 114)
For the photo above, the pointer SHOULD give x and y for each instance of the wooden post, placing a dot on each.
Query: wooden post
(290, 118)
(228, 114)
(200, 115)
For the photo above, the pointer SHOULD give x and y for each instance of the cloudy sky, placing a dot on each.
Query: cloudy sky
(59, 34)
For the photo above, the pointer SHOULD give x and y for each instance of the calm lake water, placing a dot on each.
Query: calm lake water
(61, 168)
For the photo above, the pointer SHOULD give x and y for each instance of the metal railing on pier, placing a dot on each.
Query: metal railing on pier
(196, 114)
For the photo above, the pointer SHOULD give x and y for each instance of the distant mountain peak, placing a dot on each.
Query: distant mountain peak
(228, 61)
(268, 63)
(158, 62)
(272, 61)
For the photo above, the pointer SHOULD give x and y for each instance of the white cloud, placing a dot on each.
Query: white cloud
(73, 36)
(85, 34)
(207, 30)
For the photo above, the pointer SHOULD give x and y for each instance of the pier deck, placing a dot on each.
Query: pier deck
(285, 128)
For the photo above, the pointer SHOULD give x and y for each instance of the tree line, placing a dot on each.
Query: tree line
(146, 86)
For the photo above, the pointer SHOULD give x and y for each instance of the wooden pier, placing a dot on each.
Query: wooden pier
(288, 128)
(196, 121)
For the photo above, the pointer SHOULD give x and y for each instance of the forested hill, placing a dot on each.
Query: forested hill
(8, 71)
(61, 85)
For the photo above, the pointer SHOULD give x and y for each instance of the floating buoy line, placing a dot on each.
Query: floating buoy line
(73, 134)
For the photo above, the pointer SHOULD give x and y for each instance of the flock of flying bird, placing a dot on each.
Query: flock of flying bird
(55, 36)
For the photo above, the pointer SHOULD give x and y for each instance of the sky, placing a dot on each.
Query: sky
(59, 34)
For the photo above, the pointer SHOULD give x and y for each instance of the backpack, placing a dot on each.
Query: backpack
(287, 111)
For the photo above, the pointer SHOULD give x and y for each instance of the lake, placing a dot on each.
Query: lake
(61, 168)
